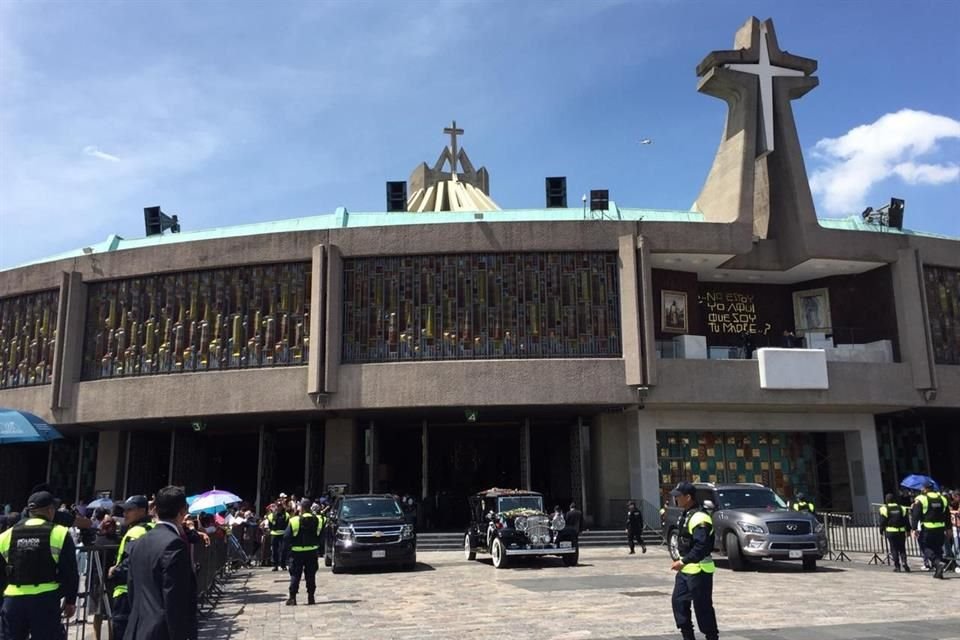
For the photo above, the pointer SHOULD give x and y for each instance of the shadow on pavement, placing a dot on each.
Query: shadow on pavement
(767, 566)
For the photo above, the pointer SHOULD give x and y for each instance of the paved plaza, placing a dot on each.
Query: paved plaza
(610, 596)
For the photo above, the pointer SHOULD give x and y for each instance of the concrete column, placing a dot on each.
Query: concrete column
(647, 310)
(630, 311)
(56, 368)
(647, 471)
(611, 464)
(340, 455)
(863, 460)
(912, 325)
(70, 341)
(333, 310)
(315, 367)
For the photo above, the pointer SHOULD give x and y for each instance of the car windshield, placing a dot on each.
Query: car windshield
(750, 499)
(370, 508)
(509, 503)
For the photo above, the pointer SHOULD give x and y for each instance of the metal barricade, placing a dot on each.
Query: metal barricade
(859, 532)
(95, 596)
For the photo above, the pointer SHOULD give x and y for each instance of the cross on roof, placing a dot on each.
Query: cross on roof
(765, 73)
(454, 132)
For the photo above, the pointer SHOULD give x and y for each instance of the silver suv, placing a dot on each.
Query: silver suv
(751, 521)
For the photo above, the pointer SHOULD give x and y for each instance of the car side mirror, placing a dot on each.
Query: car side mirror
(709, 506)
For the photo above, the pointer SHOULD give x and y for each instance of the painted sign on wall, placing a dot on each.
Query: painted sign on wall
(733, 313)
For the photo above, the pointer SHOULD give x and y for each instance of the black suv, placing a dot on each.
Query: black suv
(507, 523)
(368, 530)
(750, 521)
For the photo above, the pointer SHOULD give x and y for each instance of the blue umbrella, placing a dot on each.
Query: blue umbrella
(917, 482)
(20, 426)
(101, 503)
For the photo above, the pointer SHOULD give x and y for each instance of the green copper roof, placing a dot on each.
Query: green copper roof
(342, 219)
(855, 223)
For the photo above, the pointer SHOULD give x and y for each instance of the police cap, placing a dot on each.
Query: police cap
(40, 500)
(136, 502)
(683, 489)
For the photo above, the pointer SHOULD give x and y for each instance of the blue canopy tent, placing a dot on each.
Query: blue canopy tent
(20, 426)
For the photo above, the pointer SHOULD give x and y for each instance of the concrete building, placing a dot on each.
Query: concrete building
(593, 355)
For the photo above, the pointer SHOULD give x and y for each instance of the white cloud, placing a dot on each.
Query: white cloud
(93, 151)
(870, 153)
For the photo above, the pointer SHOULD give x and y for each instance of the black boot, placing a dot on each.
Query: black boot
(687, 633)
(906, 568)
(276, 568)
(292, 601)
(310, 599)
(938, 571)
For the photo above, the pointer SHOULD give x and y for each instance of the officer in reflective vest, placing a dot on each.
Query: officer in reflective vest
(695, 567)
(40, 564)
(137, 520)
(303, 539)
(277, 524)
(801, 504)
(930, 515)
(893, 525)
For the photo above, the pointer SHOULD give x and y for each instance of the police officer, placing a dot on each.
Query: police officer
(695, 567)
(40, 563)
(893, 525)
(277, 523)
(801, 504)
(930, 514)
(138, 522)
(303, 539)
(634, 527)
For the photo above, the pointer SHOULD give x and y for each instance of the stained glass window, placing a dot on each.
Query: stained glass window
(28, 332)
(783, 461)
(235, 318)
(477, 306)
(943, 307)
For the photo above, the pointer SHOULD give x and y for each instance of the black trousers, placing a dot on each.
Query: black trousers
(278, 551)
(898, 548)
(633, 537)
(695, 589)
(121, 613)
(932, 542)
(36, 617)
(303, 562)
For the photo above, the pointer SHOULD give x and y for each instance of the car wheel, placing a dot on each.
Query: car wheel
(335, 566)
(734, 554)
(498, 553)
(572, 559)
(809, 564)
(673, 541)
(468, 551)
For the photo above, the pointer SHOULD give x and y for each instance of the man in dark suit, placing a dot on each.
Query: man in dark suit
(162, 587)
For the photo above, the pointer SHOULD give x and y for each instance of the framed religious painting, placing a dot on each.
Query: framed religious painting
(673, 311)
(811, 311)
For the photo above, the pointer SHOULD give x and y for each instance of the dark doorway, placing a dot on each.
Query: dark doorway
(466, 459)
(149, 463)
(399, 460)
(550, 463)
(22, 466)
(231, 463)
(289, 462)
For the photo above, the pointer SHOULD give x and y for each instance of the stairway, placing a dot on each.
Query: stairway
(453, 540)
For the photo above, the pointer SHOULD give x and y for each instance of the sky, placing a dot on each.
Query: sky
(234, 112)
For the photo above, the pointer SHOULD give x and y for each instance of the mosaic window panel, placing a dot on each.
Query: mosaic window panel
(902, 448)
(478, 306)
(28, 334)
(943, 307)
(236, 318)
(784, 461)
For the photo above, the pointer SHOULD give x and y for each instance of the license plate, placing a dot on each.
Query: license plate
(381, 553)
(793, 554)
(566, 544)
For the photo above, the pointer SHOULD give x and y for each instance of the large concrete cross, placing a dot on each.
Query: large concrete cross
(454, 132)
(765, 73)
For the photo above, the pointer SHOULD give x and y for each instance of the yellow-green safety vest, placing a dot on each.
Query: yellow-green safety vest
(706, 565)
(891, 509)
(58, 534)
(800, 506)
(136, 531)
(295, 529)
(924, 500)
